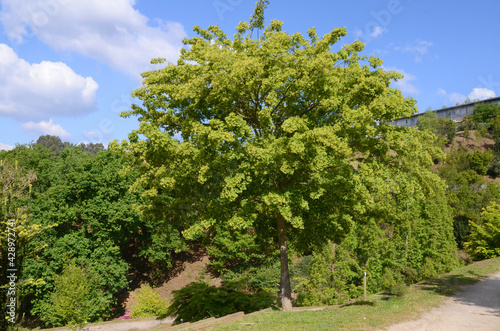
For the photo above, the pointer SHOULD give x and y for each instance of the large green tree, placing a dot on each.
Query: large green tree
(485, 113)
(282, 134)
(54, 143)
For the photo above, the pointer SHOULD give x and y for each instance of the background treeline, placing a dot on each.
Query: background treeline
(78, 213)
(471, 164)
(77, 221)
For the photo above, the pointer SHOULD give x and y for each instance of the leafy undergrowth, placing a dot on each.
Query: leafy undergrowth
(380, 310)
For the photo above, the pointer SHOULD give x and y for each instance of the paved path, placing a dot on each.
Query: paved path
(476, 308)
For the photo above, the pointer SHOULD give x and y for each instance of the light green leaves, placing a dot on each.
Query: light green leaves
(484, 240)
(275, 125)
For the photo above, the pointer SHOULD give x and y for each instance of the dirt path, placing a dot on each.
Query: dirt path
(476, 308)
(125, 325)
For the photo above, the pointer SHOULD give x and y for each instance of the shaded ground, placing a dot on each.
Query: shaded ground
(477, 308)
(189, 268)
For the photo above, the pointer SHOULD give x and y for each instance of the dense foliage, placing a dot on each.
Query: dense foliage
(281, 136)
(442, 127)
(77, 298)
(86, 208)
(261, 152)
(485, 113)
(199, 300)
(484, 242)
(17, 234)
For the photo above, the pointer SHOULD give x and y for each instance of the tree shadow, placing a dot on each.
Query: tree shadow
(358, 303)
(449, 285)
(386, 296)
(154, 274)
(469, 290)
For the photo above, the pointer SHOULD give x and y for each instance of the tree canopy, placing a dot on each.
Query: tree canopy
(283, 134)
(442, 127)
(485, 113)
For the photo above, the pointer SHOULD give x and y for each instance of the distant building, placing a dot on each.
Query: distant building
(455, 113)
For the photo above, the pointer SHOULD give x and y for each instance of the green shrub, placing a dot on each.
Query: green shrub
(323, 286)
(77, 299)
(300, 270)
(494, 169)
(148, 303)
(428, 270)
(410, 274)
(392, 282)
(480, 161)
(231, 249)
(485, 238)
(254, 279)
(197, 301)
(485, 113)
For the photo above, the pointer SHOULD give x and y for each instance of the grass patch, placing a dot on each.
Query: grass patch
(378, 311)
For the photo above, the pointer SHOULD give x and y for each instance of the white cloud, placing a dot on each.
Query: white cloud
(418, 48)
(442, 92)
(110, 31)
(476, 94)
(92, 134)
(6, 147)
(481, 93)
(42, 90)
(371, 32)
(405, 84)
(46, 127)
(377, 32)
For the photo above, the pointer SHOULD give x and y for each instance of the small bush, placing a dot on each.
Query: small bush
(480, 162)
(148, 303)
(410, 274)
(197, 301)
(494, 169)
(77, 299)
(392, 282)
(428, 270)
(320, 285)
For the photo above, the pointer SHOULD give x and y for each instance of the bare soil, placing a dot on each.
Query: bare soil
(192, 270)
(472, 143)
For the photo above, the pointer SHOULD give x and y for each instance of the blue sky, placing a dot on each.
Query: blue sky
(67, 67)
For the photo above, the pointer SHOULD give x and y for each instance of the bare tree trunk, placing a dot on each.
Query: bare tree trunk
(286, 288)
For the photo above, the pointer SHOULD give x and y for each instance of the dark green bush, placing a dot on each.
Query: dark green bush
(480, 161)
(485, 113)
(197, 301)
(392, 282)
(494, 169)
(254, 279)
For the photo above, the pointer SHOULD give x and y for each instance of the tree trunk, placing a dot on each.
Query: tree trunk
(286, 288)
